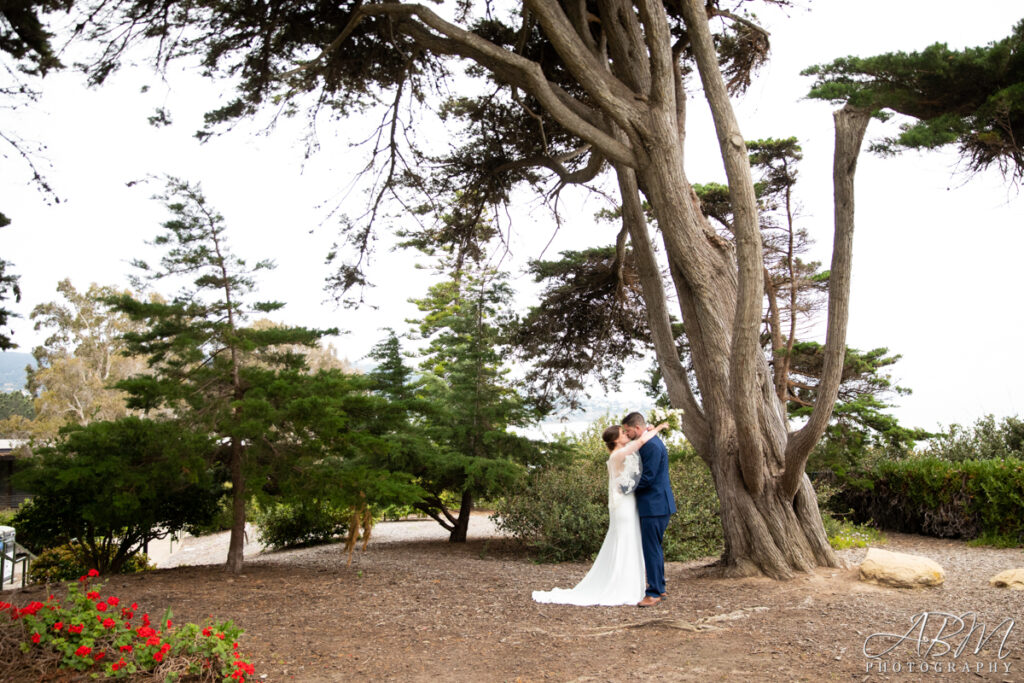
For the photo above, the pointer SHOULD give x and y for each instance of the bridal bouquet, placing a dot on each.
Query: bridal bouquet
(673, 417)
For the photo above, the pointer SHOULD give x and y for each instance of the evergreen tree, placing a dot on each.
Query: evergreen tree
(973, 98)
(114, 486)
(206, 366)
(478, 403)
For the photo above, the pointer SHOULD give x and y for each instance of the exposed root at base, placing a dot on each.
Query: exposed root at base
(702, 624)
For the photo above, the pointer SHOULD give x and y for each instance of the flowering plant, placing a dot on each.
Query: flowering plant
(673, 417)
(99, 634)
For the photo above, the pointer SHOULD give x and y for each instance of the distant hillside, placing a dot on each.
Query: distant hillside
(12, 370)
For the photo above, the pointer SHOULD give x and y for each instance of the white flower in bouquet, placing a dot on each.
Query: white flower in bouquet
(672, 416)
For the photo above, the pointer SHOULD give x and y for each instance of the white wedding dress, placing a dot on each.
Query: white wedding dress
(617, 577)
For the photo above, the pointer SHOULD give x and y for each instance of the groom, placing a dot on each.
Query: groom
(655, 504)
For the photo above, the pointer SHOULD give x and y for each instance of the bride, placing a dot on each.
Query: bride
(617, 577)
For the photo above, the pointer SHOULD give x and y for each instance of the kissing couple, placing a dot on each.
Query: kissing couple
(630, 567)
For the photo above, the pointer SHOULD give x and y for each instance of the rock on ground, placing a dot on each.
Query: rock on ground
(1011, 578)
(900, 570)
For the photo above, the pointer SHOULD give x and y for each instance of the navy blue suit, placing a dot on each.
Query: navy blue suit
(655, 503)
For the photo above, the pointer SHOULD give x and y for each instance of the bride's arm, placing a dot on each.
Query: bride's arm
(633, 446)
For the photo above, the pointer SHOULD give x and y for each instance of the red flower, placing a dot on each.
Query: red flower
(135, 606)
(81, 578)
(31, 608)
(126, 648)
(154, 640)
(58, 625)
(76, 629)
(113, 601)
(101, 606)
(35, 637)
(145, 619)
(221, 636)
(207, 631)
(83, 651)
(169, 623)
(4, 605)
(93, 573)
(145, 632)
(93, 595)
(109, 623)
(117, 665)
(158, 656)
(98, 656)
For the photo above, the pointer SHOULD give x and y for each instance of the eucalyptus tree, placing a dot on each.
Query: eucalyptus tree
(572, 92)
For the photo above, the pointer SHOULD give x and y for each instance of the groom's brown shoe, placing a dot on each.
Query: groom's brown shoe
(648, 601)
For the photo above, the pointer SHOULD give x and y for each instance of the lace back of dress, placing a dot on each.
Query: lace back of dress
(622, 482)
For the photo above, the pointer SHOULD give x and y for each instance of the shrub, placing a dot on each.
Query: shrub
(696, 528)
(985, 440)
(562, 513)
(289, 525)
(132, 480)
(965, 499)
(101, 637)
(69, 561)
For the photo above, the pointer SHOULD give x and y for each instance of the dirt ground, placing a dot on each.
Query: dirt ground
(430, 610)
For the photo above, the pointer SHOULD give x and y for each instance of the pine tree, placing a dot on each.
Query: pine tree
(207, 367)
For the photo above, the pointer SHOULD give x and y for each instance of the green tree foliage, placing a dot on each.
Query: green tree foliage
(859, 426)
(455, 437)
(206, 366)
(15, 403)
(9, 289)
(25, 39)
(78, 363)
(986, 439)
(973, 98)
(467, 379)
(26, 54)
(589, 322)
(113, 487)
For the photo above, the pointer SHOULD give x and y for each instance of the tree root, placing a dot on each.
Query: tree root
(702, 624)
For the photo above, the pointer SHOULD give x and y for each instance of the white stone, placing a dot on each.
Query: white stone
(900, 569)
(1011, 578)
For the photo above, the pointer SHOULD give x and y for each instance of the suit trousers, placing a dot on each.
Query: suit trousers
(652, 531)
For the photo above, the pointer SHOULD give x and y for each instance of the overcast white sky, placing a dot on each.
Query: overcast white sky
(937, 273)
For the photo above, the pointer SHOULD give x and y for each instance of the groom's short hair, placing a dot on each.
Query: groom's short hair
(634, 420)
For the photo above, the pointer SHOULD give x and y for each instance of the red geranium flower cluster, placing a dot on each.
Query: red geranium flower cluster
(84, 643)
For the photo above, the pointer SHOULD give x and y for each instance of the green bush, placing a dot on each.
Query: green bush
(288, 525)
(132, 479)
(696, 528)
(966, 499)
(984, 440)
(70, 561)
(562, 513)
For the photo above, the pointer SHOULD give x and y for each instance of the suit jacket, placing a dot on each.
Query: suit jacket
(654, 496)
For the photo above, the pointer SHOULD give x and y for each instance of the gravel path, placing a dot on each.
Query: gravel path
(192, 551)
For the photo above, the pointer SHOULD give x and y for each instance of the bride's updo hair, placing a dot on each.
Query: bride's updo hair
(610, 436)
